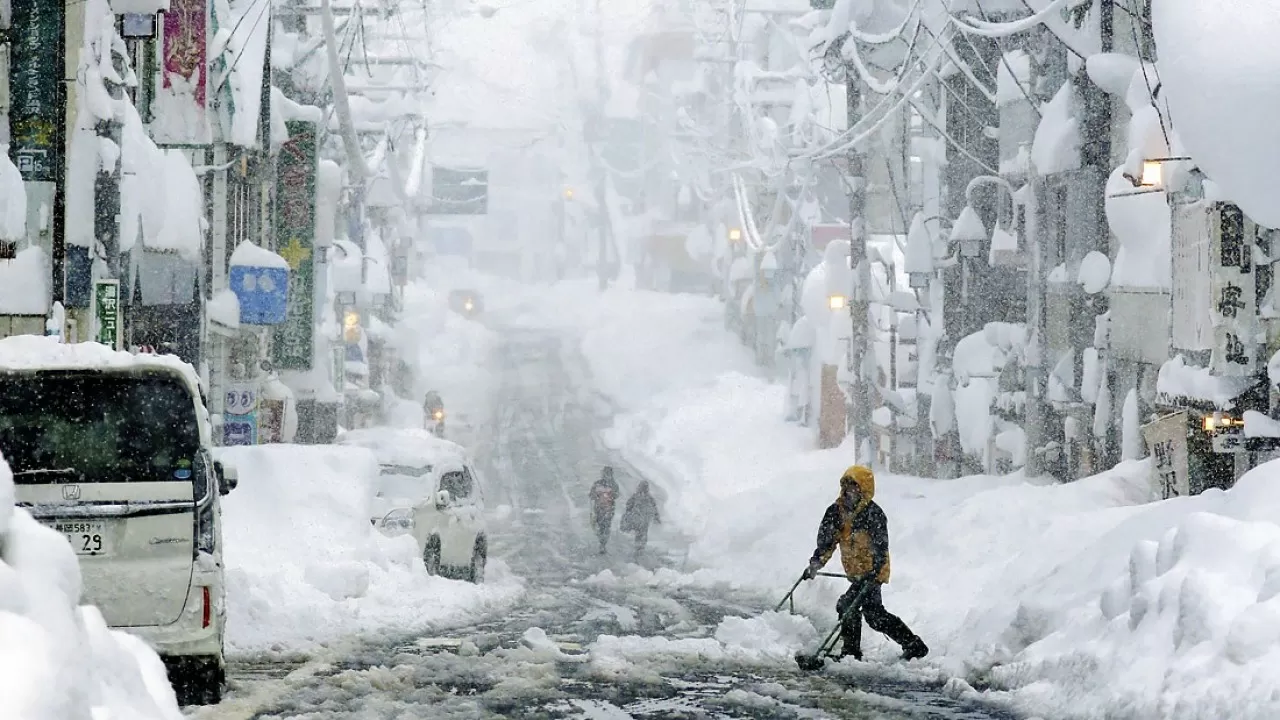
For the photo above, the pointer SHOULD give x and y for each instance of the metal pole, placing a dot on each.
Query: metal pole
(860, 351)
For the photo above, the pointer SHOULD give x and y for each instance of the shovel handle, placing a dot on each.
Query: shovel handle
(789, 597)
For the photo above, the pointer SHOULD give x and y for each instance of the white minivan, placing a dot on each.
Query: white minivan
(114, 451)
(428, 487)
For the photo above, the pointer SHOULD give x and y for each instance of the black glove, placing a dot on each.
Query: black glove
(811, 572)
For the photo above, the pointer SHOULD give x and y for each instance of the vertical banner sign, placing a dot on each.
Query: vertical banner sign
(295, 231)
(1192, 319)
(240, 419)
(1234, 295)
(35, 80)
(1167, 441)
(182, 100)
(106, 313)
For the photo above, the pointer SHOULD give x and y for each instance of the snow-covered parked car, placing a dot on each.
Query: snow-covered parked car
(428, 487)
(115, 452)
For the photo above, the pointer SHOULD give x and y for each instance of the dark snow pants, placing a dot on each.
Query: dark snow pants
(880, 620)
(603, 521)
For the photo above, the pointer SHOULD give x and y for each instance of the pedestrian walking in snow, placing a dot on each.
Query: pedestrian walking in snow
(640, 513)
(604, 496)
(858, 526)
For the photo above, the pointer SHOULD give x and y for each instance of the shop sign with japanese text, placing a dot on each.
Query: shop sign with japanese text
(295, 231)
(1234, 295)
(1167, 441)
(35, 88)
(106, 313)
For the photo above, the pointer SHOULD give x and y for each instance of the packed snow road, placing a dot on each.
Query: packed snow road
(596, 636)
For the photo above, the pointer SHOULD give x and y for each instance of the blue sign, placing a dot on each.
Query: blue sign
(263, 293)
(239, 433)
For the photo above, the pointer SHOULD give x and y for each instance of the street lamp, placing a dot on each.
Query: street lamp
(351, 326)
(735, 235)
(970, 231)
(1152, 175)
(837, 302)
(568, 193)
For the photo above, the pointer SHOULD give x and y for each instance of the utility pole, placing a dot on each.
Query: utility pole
(860, 353)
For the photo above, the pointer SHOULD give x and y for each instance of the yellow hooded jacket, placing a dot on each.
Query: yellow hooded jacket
(861, 533)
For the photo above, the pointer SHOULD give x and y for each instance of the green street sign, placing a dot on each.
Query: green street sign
(106, 313)
(35, 86)
(292, 346)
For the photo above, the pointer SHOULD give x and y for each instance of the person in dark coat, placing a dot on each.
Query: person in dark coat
(857, 525)
(604, 496)
(640, 513)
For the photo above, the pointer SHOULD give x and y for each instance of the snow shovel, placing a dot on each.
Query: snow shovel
(814, 662)
(790, 596)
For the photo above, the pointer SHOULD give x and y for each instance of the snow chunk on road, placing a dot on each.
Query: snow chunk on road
(305, 568)
(770, 638)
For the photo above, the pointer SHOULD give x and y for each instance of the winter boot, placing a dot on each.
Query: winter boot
(914, 648)
(850, 650)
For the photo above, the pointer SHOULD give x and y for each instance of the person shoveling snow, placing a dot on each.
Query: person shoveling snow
(858, 526)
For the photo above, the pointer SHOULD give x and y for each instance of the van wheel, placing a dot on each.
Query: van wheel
(197, 681)
(479, 557)
(431, 555)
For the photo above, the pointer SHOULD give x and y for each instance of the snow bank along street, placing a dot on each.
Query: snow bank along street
(58, 659)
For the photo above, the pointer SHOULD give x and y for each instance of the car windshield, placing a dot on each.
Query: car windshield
(457, 483)
(97, 427)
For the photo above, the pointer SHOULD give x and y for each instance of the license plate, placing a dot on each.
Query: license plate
(86, 538)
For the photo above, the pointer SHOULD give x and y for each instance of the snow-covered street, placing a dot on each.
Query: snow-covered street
(590, 636)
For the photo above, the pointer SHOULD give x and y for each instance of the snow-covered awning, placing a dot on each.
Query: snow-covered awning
(1180, 381)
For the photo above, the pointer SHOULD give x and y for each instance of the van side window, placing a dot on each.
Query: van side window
(457, 484)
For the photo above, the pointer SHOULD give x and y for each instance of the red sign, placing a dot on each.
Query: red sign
(821, 235)
(185, 27)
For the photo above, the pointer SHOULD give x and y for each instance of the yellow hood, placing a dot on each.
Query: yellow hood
(864, 478)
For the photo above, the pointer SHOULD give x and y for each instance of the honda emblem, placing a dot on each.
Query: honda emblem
(70, 492)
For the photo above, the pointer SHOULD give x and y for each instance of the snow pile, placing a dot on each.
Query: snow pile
(1079, 600)
(305, 567)
(770, 638)
(13, 203)
(243, 51)
(24, 283)
(1177, 379)
(1215, 69)
(59, 661)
